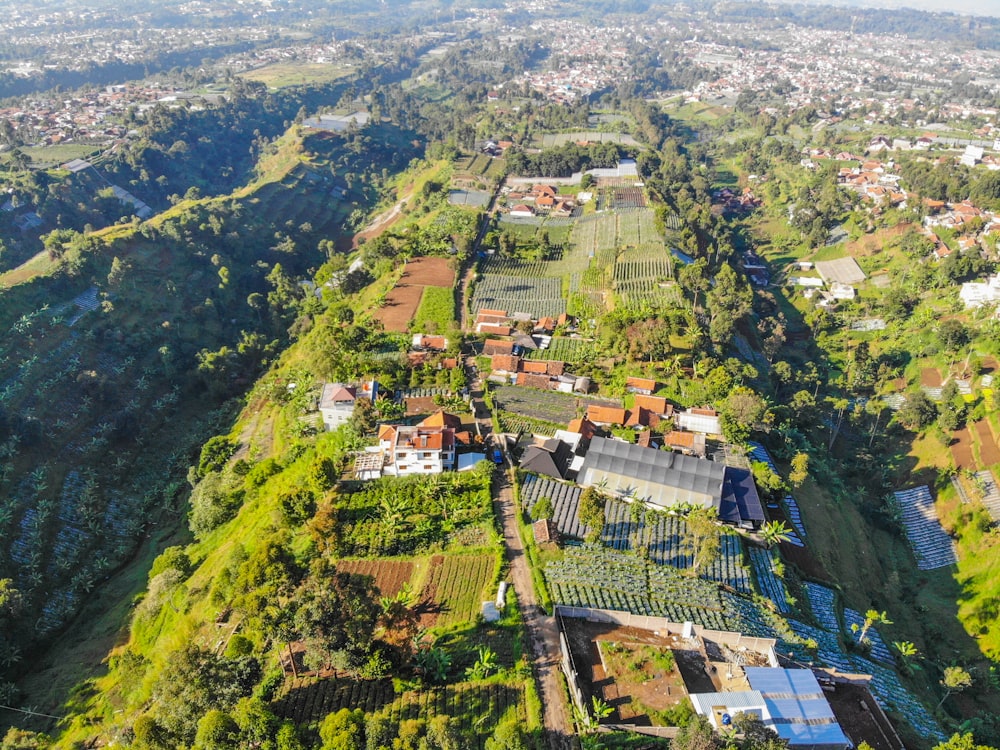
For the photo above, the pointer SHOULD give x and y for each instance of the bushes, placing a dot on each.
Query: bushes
(213, 503)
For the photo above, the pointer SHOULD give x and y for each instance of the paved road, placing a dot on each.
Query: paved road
(542, 632)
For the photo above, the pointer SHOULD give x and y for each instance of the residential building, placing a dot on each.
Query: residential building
(416, 450)
(788, 701)
(336, 402)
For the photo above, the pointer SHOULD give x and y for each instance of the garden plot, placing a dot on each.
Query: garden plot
(388, 575)
(566, 350)
(565, 501)
(878, 648)
(892, 696)
(538, 297)
(991, 494)
(517, 424)
(456, 586)
(931, 545)
(769, 584)
(548, 406)
(661, 535)
(602, 579)
(823, 603)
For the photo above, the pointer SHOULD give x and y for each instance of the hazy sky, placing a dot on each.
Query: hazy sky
(972, 7)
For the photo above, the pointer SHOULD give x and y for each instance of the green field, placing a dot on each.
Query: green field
(281, 75)
(50, 156)
(436, 312)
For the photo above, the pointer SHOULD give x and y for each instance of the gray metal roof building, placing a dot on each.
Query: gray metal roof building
(660, 478)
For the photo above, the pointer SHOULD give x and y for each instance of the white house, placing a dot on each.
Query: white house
(336, 403)
(978, 293)
(416, 450)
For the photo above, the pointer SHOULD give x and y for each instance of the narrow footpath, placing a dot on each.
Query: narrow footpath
(541, 629)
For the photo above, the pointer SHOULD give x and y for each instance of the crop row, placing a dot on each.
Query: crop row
(598, 597)
(768, 583)
(565, 503)
(548, 406)
(539, 297)
(656, 269)
(518, 424)
(662, 536)
(458, 583)
(822, 602)
(566, 350)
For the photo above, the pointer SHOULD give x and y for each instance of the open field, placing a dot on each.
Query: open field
(38, 265)
(402, 302)
(48, 156)
(456, 587)
(988, 452)
(281, 75)
(389, 576)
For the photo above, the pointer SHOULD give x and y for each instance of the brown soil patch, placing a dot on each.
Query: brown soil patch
(381, 222)
(420, 405)
(427, 609)
(388, 575)
(871, 244)
(989, 454)
(618, 691)
(930, 377)
(403, 300)
(861, 718)
(989, 366)
(429, 272)
(961, 449)
(635, 682)
(400, 307)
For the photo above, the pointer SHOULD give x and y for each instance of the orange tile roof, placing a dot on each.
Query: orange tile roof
(656, 404)
(677, 439)
(606, 414)
(643, 383)
(441, 418)
(582, 427)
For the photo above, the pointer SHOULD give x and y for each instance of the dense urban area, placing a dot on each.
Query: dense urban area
(417, 376)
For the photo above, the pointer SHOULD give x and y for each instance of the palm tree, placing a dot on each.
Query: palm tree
(907, 652)
(955, 680)
(872, 617)
(773, 532)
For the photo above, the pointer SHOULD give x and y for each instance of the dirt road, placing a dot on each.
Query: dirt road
(542, 632)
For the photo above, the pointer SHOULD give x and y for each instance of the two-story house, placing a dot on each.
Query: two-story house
(336, 402)
(416, 450)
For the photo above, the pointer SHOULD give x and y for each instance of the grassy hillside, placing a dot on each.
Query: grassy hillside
(125, 348)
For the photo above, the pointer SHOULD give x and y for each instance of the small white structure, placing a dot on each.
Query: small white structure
(490, 612)
(501, 595)
(972, 156)
(336, 404)
(807, 281)
(841, 291)
(705, 421)
(978, 293)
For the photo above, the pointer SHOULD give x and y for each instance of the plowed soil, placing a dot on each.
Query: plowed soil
(402, 302)
(988, 451)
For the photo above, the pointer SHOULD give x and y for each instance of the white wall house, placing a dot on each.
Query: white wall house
(336, 402)
(416, 450)
(978, 293)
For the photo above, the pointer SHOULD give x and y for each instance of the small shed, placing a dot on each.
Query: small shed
(545, 532)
